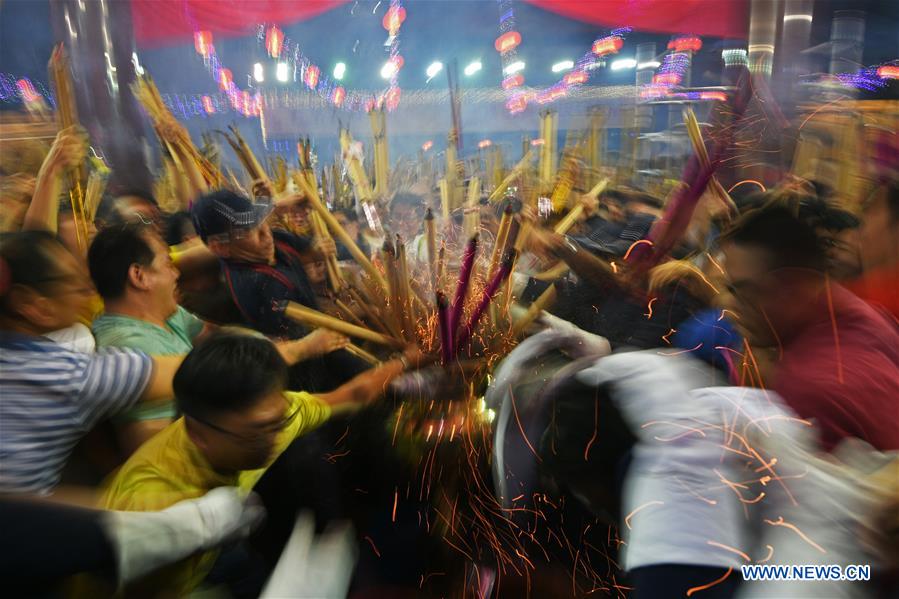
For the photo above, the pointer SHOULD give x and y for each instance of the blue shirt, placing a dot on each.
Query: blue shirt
(50, 397)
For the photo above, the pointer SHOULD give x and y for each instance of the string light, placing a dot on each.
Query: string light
(473, 68)
(433, 69)
(564, 65)
(281, 72)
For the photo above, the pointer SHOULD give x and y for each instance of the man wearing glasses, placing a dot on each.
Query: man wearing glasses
(238, 419)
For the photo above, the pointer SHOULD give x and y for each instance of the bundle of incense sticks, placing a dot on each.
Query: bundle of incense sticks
(245, 155)
(318, 225)
(355, 169)
(502, 234)
(472, 214)
(695, 135)
(562, 227)
(314, 318)
(566, 177)
(431, 239)
(182, 148)
(471, 249)
(378, 121)
(544, 301)
(67, 116)
(549, 126)
(96, 185)
(446, 335)
(666, 231)
(513, 174)
(335, 227)
(464, 336)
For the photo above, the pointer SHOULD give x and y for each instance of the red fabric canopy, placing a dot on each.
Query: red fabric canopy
(161, 22)
(715, 18)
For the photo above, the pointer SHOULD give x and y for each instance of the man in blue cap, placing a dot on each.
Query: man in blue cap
(263, 269)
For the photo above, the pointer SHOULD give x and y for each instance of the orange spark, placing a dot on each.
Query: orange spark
(398, 416)
(794, 528)
(396, 498)
(769, 556)
(683, 351)
(731, 549)
(521, 428)
(373, 548)
(739, 183)
(635, 244)
(627, 519)
(709, 585)
(648, 315)
(694, 493)
(595, 430)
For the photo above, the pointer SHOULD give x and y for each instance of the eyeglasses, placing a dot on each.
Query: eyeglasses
(256, 437)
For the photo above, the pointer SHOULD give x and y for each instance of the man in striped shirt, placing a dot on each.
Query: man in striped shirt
(49, 396)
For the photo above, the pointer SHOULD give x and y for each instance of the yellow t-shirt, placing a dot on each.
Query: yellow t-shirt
(170, 468)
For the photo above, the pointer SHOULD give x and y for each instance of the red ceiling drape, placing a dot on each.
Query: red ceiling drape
(715, 18)
(162, 22)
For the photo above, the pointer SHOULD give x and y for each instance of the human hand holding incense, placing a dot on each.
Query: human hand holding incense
(590, 204)
(263, 189)
(317, 343)
(68, 150)
(325, 246)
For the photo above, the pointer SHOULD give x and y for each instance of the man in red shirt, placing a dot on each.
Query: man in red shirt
(837, 358)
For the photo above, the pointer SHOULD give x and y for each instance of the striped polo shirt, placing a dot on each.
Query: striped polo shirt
(50, 397)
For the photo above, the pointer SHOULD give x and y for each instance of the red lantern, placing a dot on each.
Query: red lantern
(26, 89)
(507, 41)
(512, 81)
(666, 79)
(203, 42)
(888, 72)
(225, 79)
(575, 78)
(393, 18)
(517, 104)
(607, 45)
(720, 96)
(684, 44)
(311, 76)
(338, 96)
(274, 41)
(392, 99)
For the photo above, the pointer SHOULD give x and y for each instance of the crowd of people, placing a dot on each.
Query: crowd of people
(156, 400)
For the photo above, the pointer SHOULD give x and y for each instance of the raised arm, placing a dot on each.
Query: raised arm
(368, 386)
(68, 150)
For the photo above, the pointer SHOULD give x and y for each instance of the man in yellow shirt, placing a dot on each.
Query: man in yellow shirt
(237, 420)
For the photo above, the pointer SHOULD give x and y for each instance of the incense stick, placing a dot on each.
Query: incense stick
(314, 318)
